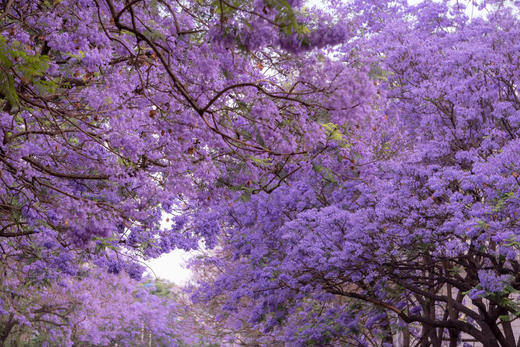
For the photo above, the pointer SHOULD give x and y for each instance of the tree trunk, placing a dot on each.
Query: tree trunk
(6, 330)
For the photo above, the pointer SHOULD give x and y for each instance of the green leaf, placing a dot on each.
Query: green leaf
(334, 134)
(378, 73)
(506, 318)
(246, 196)
(262, 162)
(325, 172)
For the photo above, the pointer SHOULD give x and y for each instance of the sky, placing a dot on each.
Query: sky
(171, 267)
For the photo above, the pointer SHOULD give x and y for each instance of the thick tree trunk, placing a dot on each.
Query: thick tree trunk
(6, 330)
(454, 338)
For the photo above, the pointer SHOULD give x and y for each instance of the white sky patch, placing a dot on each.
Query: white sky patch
(171, 267)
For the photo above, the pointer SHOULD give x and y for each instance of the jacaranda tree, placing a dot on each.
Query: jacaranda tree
(414, 239)
(354, 168)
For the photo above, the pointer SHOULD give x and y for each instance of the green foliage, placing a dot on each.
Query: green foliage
(335, 134)
(261, 162)
(498, 204)
(51, 3)
(7, 87)
(222, 8)
(162, 288)
(378, 73)
(103, 243)
(79, 56)
(15, 61)
(512, 242)
(325, 173)
(482, 225)
(287, 19)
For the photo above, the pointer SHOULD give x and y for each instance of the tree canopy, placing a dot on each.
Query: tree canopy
(351, 168)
